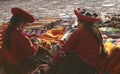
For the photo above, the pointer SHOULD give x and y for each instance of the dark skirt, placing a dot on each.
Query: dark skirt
(71, 64)
(23, 68)
(29, 65)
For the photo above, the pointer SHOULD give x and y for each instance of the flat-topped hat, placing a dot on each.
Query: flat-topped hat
(18, 11)
(87, 15)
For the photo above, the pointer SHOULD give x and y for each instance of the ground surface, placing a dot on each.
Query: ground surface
(56, 8)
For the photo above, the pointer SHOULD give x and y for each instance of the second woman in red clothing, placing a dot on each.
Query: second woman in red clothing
(83, 49)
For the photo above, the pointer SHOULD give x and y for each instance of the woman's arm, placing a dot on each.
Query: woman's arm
(26, 45)
(67, 47)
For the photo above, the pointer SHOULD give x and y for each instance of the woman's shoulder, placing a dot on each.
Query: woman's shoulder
(16, 33)
(81, 31)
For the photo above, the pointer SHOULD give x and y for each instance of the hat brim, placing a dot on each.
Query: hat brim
(23, 13)
(81, 16)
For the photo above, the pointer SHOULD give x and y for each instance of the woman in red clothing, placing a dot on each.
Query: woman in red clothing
(17, 47)
(83, 49)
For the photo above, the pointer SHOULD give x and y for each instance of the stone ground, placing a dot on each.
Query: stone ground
(56, 8)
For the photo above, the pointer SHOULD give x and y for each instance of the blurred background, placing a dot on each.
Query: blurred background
(56, 8)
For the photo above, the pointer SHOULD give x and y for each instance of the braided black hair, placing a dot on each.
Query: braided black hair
(15, 21)
(91, 27)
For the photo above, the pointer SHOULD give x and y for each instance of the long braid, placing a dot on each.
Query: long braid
(14, 22)
(6, 40)
(94, 30)
(96, 33)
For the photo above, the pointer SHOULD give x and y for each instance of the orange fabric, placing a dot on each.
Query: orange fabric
(2, 27)
(55, 33)
(52, 36)
(112, 63)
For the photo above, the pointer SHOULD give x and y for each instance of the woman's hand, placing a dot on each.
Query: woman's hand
(45, 67)
(35, 40)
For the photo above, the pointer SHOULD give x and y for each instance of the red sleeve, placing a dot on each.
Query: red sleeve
(67, 47)
(26, 45)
